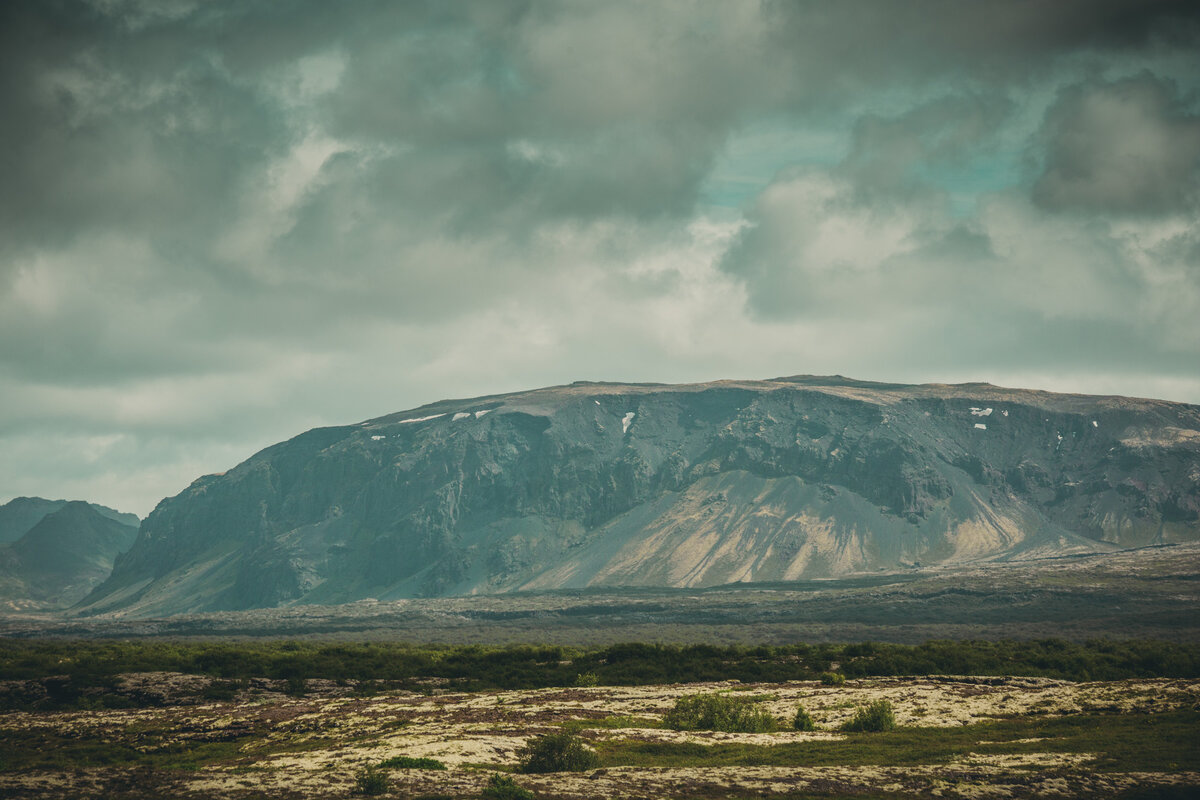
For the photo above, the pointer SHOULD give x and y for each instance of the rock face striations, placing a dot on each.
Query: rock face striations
(656, 485)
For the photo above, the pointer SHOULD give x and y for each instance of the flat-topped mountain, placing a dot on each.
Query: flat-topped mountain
(598, 484)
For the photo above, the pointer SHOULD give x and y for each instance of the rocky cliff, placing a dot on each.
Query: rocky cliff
(656, 485)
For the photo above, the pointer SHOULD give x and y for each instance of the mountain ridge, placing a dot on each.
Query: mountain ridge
(656, 484)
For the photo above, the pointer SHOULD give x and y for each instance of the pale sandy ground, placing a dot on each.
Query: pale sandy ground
(471, 733)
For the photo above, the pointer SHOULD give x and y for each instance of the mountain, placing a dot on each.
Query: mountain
(658, 485)
(62, 557)
(18, 516)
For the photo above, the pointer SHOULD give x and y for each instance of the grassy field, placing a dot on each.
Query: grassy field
(130, 721)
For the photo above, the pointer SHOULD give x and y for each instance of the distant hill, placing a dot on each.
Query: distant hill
(61, 557)
(676, 486)
(18, 516)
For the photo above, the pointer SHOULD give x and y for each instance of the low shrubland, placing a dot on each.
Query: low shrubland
(719, 711)
(556, 752)
(84, 671)
(872, 718)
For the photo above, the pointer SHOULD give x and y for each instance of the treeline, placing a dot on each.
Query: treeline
(525, 667)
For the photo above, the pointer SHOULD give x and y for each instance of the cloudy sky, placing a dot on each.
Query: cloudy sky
(223, 223)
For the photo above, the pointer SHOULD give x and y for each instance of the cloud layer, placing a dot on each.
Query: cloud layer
(227, 222)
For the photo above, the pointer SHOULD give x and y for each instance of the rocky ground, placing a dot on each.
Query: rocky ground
(959, 737)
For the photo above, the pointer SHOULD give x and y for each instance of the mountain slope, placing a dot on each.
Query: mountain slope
(18, 516)
(62, 558)
(692, 485)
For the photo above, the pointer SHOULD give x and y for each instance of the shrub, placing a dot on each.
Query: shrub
(719, 712)
(557, 752)
(833, 678)
(877, 716)
(407, 762)
(803, 721)
(370, 781)
(502, 787)
(587, 679)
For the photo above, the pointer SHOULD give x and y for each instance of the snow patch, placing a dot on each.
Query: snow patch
(377, 438)
(479, 414)
(1005, 412)
(1095, 424)
(460, 415)
(626, 421)
(597, 402)
(419, 419)
(980, 412)
(981, 426)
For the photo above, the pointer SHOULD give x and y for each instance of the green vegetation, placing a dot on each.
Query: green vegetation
(586, 679)
(407, 762)
(556, 752)
(38, 748)
(503, 787)
(719, 712)
(803, 721)
(872, 718)
(616, 721)
(1122, 743)
(370, 781)
(833, 678)
(89, 667)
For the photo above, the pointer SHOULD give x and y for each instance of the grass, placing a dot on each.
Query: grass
(40, 749)
(1122, 743)
(609, 723)
(408, 762)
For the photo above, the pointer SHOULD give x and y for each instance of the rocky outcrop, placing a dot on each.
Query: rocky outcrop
(694, 485)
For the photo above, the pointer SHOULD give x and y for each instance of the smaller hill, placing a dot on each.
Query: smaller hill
(63, 556)
(18, 516)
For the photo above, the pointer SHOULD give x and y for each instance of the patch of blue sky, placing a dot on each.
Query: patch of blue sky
(965, 183)
(755, 155)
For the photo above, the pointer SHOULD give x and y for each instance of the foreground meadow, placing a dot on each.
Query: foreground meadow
(195, 736)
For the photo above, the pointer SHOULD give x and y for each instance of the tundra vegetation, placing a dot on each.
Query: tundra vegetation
(1022, 719)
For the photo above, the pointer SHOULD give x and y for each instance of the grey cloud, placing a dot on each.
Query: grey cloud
(1129, 147)
(887, 153)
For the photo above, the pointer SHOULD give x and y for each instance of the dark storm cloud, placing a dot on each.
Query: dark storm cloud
(1127, 147)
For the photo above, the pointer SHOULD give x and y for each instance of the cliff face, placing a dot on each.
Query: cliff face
(693, 485)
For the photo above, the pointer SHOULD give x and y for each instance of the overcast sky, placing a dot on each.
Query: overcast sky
(224, 223)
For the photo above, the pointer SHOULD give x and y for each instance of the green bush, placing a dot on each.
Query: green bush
(803, 721)
(370, 781)
(407, 762)
(877, 716)
(718, 712)
(502, 787)
(556, 752)
(587, 679)
(833, 678)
